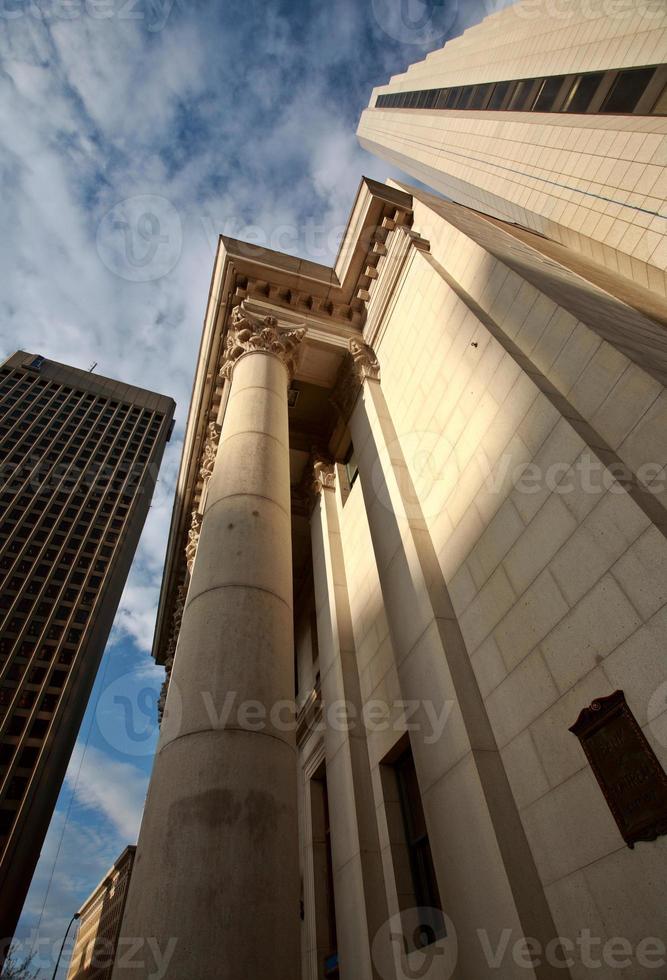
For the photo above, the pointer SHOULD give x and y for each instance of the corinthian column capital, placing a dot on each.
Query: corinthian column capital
(357, 368)
(366, 364)
(324, 475)
(250, 332)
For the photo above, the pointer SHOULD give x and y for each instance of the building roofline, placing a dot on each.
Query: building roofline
(130, 849)
(99, 383)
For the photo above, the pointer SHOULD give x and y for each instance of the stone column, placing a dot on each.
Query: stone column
(359, 887)
(217, 867)
(486, 873)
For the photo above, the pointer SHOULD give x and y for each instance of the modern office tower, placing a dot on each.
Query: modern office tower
(429, 482)
(99, 923)
(79, 458)
(550, 115)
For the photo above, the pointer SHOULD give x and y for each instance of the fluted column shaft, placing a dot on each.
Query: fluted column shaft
(217, 862)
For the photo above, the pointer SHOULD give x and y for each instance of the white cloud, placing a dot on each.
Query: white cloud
(115, 789)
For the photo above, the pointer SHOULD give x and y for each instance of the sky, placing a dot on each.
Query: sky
(132, 133)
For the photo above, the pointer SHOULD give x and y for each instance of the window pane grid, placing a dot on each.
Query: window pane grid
(76, 423)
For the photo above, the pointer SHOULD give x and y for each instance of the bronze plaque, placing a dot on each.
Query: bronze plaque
(627, 769)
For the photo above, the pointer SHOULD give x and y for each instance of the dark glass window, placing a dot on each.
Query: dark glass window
(520, 94)
(351, 467)
(583, 89)
(547, 93)
(465, 98)
(325, 908)
(479, 96)
(454, 97)
(627, 90)
(500, 90)
(539, 95)
(424, 880)
(660, 108)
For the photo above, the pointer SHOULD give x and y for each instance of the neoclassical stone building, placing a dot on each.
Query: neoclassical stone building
(425, 490)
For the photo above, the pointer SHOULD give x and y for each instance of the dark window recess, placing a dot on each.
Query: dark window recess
(500, 90)
(479, 96)
(627, 90)
(427, 895)
(547, 93)
(582, 91)
(453, 96)
(541, 94)
(351, 468)
(325, 909)
(520, 93)
(660, 107)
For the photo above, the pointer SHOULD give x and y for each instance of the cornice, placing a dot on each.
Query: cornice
(390, 267)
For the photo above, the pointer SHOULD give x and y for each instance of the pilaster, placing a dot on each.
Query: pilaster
(361, 904)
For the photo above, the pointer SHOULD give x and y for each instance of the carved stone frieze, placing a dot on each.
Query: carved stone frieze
(209, 451)
(193, 539)
(177, 616)
(251, 332)
(162, 700)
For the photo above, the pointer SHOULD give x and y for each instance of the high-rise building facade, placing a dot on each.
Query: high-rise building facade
(430, 483)
(100, 917)
(550, 115)
(79, 458)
